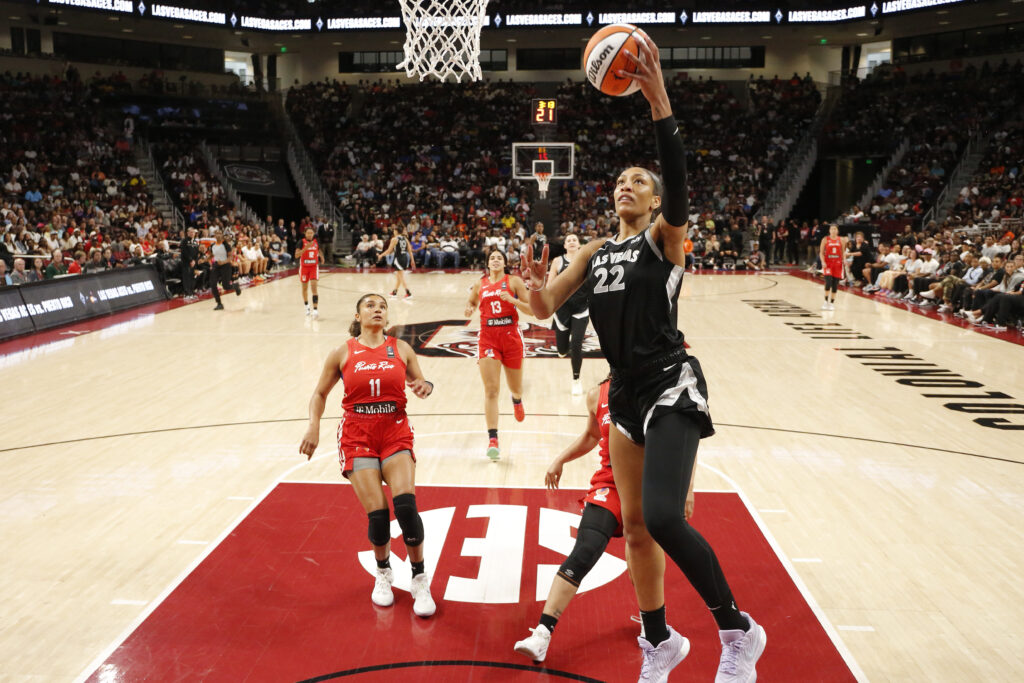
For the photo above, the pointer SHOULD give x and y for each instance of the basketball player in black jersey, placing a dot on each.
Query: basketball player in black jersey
(658, 397)
(570, 321)
(403, 257)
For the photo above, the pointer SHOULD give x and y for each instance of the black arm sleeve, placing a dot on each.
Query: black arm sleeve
(675, 200)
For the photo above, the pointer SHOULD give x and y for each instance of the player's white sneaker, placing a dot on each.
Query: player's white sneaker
(740, 652)
(308, 311)
(577, 387)
(659, 661)
(423, 605)
(536, 646)
(316, 314)
(824, 306)
(382, 595)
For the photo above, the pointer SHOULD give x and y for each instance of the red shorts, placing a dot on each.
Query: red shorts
(833, 269)
(307, 273)
(503, 343)
(372, 436)
(606, 496)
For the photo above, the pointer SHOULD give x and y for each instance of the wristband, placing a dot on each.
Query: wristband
(542, 285)
(427, 381)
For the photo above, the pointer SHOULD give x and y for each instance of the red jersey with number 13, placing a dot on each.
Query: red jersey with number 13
(374, 379)
(310, 253)
(493, 310)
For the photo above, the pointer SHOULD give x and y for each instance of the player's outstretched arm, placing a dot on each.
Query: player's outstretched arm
(329, 376)
(546, 298)
(583, 444)
(420, 386)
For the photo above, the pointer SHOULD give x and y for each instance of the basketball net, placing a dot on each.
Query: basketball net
(442, 38)
(542, 182)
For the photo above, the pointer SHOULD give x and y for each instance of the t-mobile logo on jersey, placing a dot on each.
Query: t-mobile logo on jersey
(502, 550)
(383, 365)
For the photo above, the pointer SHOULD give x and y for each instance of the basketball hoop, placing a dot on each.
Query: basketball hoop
(442, 38)
(542, 182)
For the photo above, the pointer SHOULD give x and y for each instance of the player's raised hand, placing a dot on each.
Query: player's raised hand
(535, 273)
(648, 73)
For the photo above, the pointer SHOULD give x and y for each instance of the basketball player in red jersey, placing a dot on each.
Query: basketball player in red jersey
(309, 258)
(833, 248)
(375, 439)
(501, 296)
(602, 519)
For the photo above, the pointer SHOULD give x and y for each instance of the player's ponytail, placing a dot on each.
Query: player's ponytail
(355, 329)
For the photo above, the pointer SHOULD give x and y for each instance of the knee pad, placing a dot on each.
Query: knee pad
(590, 543)
(380, 527)
(409, 519)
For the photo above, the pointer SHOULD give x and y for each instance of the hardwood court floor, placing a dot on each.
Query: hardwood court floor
(130, 450)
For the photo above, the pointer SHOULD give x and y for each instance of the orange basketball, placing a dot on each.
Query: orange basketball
(687, 245)
(603, 58)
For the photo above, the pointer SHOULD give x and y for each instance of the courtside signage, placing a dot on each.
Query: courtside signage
(959, 394)
(501, 21)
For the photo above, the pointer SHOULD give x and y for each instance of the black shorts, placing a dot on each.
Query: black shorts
(675, 384)
(401, 262)
(562, 319)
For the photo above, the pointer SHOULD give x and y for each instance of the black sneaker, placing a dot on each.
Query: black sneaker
(238, 290)
(219, 307)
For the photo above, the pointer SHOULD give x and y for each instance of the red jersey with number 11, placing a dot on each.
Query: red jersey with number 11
(493, 310)
(374, 379)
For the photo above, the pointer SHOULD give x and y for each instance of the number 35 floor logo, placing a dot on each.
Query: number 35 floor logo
(286, 597)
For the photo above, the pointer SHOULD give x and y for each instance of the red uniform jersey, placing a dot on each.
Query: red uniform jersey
(602, 485)
(604, 419)
(374, 379)
(310, 253)
(494, 312)
(833, 264)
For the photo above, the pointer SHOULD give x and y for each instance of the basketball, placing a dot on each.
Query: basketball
(603, 58)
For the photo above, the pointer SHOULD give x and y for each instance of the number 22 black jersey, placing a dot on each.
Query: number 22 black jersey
(633, 293)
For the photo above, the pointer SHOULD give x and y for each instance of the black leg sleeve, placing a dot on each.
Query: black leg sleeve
(578, 330)
(670, 455)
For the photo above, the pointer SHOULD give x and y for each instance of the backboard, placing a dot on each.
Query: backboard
(561, 154)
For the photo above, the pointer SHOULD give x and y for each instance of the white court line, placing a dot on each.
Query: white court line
(844, 651)
(861, 629)
(153, 604)
(816, 560)
(185, 541)
(119, 601)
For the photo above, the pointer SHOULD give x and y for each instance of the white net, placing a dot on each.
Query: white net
(442, 38)
(543, 179)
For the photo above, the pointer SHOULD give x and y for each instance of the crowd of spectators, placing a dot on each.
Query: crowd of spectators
(996, 192)
(935, 113)
(459, 187)
(972, 277)
(736, 148)
(425, 152)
